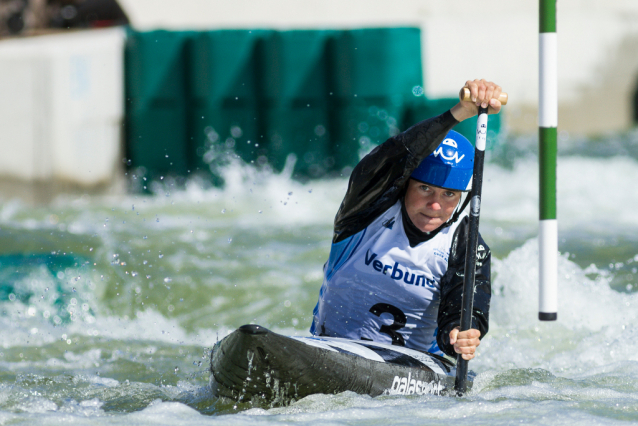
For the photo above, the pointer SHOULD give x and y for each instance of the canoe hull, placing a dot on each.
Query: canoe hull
(254, 363)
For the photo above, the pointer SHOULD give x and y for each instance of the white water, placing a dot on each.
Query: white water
(270, 235)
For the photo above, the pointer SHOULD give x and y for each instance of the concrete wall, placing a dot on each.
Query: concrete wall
(494, 39)
(61, 109)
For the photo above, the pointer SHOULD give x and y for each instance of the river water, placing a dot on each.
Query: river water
(110, 305)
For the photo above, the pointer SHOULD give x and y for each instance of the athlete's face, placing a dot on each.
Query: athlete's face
(429, 206)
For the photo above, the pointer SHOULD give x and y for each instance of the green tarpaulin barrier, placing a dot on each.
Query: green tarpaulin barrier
(196, 99)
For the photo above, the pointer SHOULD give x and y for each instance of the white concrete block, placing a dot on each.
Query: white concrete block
(62, 106)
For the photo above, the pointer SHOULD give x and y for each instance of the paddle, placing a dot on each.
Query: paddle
(460, 385)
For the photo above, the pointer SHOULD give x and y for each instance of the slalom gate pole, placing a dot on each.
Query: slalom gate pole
(547, 122)
(460, 384)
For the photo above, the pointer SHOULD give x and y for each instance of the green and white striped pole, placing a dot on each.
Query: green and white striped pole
(548, 122)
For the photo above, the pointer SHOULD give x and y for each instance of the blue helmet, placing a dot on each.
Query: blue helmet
(450, 166)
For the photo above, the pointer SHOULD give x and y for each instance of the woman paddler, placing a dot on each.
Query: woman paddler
(395, 271)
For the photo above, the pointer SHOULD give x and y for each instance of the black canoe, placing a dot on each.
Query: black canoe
(257, 365)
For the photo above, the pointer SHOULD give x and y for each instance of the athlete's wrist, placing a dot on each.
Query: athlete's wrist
(460, 113)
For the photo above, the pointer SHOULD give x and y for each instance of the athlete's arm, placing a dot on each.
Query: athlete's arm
(378, 181)
(449, 316)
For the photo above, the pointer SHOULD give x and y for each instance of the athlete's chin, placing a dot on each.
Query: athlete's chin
(429, 225)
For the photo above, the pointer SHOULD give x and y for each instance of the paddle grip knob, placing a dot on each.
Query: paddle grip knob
(464, 95)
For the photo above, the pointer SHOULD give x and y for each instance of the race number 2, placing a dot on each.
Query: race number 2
(399, 322)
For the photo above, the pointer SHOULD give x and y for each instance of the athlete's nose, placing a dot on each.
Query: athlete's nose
(435, 205)
(435, 202)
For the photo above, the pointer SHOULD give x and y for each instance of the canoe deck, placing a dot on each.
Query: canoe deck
(255, 364)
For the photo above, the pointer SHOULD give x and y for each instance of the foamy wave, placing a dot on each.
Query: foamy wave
(593, 327)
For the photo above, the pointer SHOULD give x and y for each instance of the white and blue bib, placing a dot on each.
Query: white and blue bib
(376, 287)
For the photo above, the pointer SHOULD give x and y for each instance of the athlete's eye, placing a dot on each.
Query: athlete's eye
(450, 194)
(424, 188)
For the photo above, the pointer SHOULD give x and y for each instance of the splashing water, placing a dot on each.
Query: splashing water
(110, 305)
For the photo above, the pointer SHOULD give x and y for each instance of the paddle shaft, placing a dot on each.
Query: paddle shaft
(460, 385)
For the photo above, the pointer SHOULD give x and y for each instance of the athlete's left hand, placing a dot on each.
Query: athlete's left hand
(465, 342)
